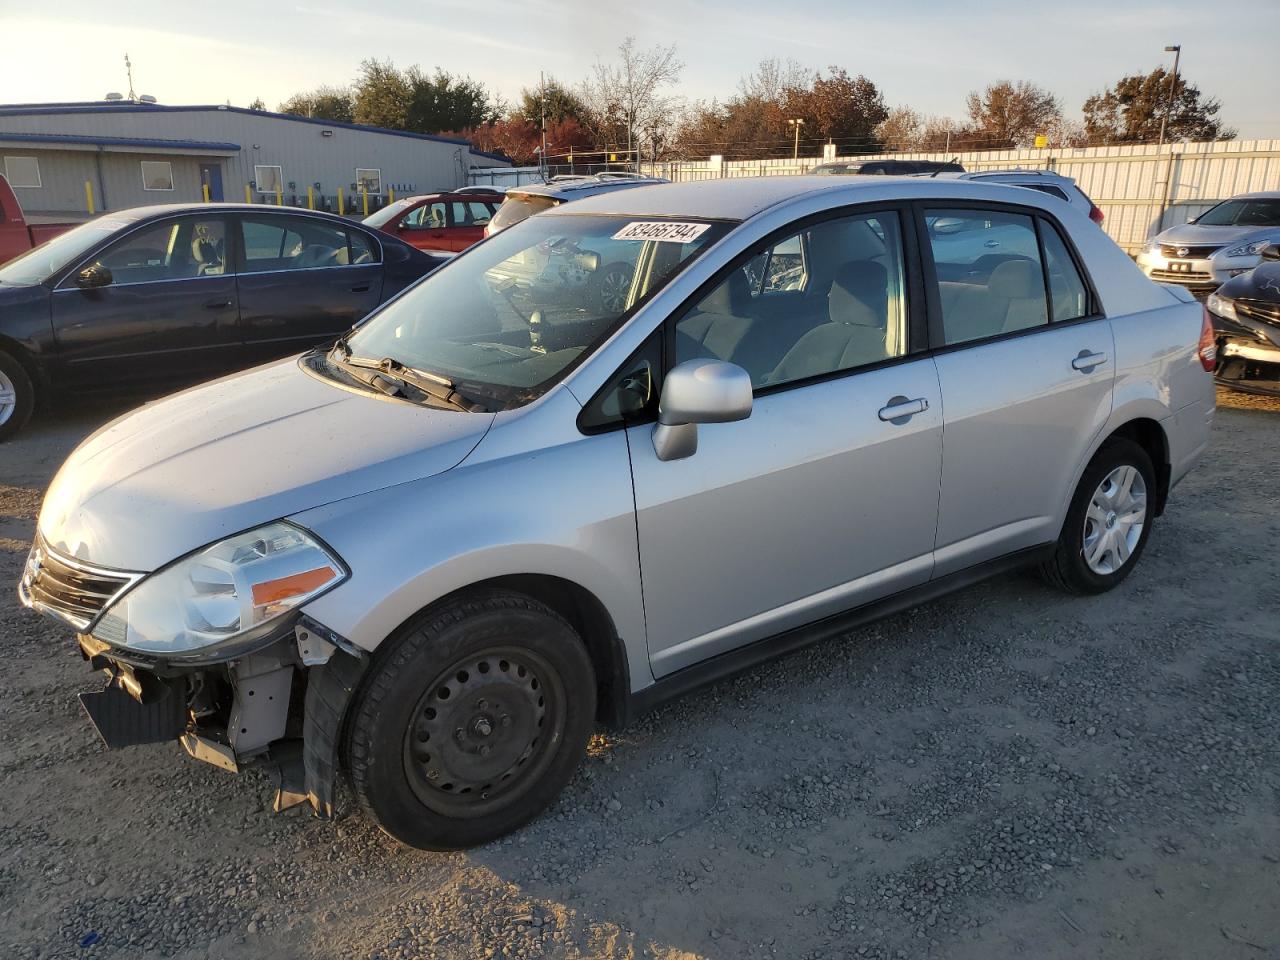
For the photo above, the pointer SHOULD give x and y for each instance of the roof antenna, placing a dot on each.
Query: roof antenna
(128, 69)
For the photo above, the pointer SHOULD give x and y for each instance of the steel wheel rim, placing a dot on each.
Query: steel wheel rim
(484, 743)
(8, 398)
(1114, 520)
(613, 290)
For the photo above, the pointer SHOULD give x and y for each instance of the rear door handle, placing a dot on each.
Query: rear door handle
(362, 288)
(1087, 361)
(217, 304)
(900, 408)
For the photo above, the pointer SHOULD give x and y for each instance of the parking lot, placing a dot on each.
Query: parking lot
(1006, 772)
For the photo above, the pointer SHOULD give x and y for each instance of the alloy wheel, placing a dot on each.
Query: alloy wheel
(8, 398)
(1115, 519)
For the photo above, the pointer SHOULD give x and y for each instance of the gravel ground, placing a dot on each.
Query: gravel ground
(1006, 772)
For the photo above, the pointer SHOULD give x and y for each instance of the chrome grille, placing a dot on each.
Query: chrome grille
(70, 590)
(1259, 310)
(1187, 253)
(1189, 277)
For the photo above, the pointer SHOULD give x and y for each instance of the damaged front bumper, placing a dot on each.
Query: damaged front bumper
(283, 703)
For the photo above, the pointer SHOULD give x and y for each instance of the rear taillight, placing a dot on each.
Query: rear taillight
(1207, 348)
(1096, 215)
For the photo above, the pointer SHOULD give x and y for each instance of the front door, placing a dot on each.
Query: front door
(427, 226)
(211, 176)
(169, 313)
(1026, 363)
(302, 281)
(826, 497)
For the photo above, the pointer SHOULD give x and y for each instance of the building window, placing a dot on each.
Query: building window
(157, 175)
(270, 179)
(22, 171)
(368, 180)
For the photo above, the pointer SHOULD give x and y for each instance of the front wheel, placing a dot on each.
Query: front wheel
(472, 721)
(17, 396)
(1107, 523)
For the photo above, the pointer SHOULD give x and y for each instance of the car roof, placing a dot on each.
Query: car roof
(1257, 195)
(586, 186)
(740, 198)
(1010, 172)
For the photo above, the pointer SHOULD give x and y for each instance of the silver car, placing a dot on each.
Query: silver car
(1223, 242)
(435, 554)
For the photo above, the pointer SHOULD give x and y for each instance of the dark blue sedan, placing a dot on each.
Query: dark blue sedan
(166, 295)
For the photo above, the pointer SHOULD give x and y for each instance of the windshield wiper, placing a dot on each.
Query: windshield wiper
(432, 384)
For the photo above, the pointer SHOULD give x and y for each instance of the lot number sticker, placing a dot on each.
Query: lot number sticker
(664, 230)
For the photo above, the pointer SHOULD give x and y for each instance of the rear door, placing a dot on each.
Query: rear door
(1026, 365)
(303, 281)
(467, 220)
(169, 313)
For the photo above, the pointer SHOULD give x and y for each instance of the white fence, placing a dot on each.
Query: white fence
(1142, 189)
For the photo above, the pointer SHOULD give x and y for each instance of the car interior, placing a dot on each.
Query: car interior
(297, 243)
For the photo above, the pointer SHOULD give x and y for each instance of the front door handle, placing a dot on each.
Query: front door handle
(1086, 361)
(900, 409)
(362, 288)
(217, 304)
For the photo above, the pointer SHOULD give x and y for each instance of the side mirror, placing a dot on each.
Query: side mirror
(1270, 252)
(947, 226)
(698, 391)
(93, 276)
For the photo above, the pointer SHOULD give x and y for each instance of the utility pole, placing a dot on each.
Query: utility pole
(797, 123)
(542, 157)
(1176, 50)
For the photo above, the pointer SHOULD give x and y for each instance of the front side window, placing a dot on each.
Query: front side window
(990, 278)
(429, 216)
(510, 318)
(22, 171)
(297, 243)
(169, 250)
(157, 175)
(269, 178)
(828, 298)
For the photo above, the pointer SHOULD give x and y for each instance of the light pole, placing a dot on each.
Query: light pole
(797, 123)
(1176, 50)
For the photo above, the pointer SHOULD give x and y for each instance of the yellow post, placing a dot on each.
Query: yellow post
(391, 194)
(341, 209)
(204, 188)
(280, 196)
(88, 197)
(248, 194)
(311, 198)
(364, 196)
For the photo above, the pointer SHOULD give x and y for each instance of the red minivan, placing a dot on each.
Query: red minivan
(438, 221)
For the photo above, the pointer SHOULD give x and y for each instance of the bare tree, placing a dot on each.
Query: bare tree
(774, 80)
(627, 96)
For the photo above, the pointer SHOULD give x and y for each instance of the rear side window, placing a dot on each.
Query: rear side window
(1068, 295)
(1046, 188)
(990, 276)
(301, 243)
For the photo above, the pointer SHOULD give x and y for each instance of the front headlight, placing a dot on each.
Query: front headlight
(1247, 249)
(234, 590)
(1222, 306)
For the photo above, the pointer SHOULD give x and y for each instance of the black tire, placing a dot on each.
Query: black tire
(436, 756)
(1068, 569)
(12, 372)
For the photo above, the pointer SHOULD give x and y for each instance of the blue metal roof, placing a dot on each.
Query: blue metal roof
(149, 142)
(116, 106)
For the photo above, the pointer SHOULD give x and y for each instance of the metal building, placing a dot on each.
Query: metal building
(61, 158)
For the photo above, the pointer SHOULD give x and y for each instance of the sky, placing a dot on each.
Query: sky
(927, 55)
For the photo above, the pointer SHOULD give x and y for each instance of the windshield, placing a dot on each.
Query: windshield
(53, 256)
(1261, 212)
(510, 318)
(388, 213)
(517, 207)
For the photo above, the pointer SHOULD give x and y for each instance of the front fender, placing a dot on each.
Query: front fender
(565, 511)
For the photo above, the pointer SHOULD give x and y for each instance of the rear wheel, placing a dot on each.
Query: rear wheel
(1107, 523)
(472, 722)
(17, 396)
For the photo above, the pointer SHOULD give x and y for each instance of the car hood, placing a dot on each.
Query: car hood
(1195, 235)
(230, 455)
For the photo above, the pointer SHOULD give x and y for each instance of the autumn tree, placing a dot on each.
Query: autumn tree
(1132, 109)
(839, 107)
(323, 103)
(1007, 114)
(901, 130)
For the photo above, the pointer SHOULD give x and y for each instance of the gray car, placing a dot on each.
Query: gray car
(1223, 242)
(434, 555)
